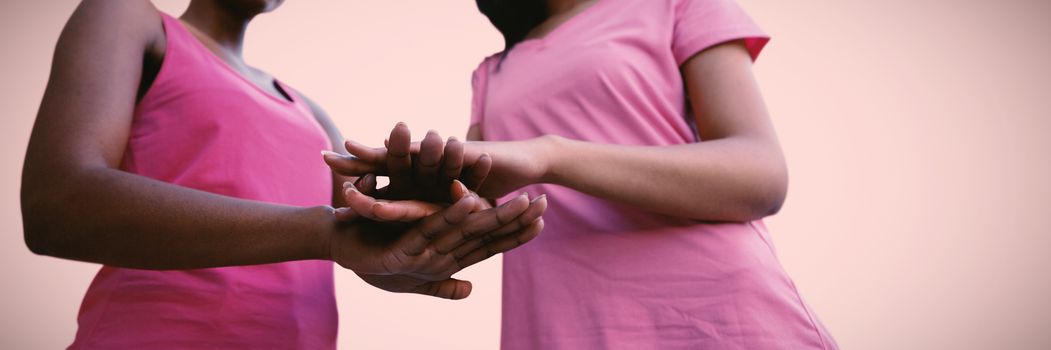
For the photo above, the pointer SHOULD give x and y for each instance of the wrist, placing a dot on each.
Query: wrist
(550, 153)
(320, 223)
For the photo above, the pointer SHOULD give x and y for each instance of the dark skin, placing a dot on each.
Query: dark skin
(737, 173)
(77, 204)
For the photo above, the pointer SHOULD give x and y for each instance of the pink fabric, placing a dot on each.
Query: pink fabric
(610, 276)
(203, 126)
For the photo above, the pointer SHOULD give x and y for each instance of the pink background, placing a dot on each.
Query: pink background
(917, 133)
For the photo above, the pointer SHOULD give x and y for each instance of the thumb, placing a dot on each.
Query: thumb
(403, 211)
(448, 289)
(366, 184)
(457, 191)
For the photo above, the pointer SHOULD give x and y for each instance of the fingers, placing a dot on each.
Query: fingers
(503, 244)
(349, 166)
(492, 219)
(393, 211)
(367, 184)
(452, 160)
(477, 173)
(419, 236)
(457, 190)
(430, 158)
(399, 160)
(359, 202)
(536, 209)
(366, 154)
(448, 289)
(404, 211)
(481, 223)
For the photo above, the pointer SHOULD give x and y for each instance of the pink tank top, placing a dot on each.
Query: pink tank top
(204, 126)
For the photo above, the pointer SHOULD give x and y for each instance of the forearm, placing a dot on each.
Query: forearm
(732, 179)
(116, 218)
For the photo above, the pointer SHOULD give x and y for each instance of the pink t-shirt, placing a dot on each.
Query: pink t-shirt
(203, 126)
(610, 276)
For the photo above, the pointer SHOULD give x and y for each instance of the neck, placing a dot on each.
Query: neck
(557, 7)
(225, 27)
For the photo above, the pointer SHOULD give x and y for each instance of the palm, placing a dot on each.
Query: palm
(369, 243)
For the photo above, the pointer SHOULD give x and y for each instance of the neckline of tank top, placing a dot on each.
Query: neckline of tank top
(291, 100)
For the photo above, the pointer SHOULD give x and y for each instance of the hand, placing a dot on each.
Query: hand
(510, 165)
(514, 164)
(420, 171)
(423, 258)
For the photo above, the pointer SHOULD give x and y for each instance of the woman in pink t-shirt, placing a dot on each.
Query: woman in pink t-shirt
(195, 180)
(643, 123)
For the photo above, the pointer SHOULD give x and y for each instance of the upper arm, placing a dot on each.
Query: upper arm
(728, 106)
(86, 113)
(724, 95)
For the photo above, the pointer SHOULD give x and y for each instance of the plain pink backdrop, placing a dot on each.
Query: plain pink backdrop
(917, 133)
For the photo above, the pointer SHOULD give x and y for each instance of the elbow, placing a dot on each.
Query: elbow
(35, 229)
(48, 197)
(758, 206)
(36, 242)
(771, 194)
(764, 197)
(771, 205)
(38, 228)
(36, 234)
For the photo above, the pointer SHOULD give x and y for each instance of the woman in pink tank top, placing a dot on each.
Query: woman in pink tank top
(642, 121)
(195, 180)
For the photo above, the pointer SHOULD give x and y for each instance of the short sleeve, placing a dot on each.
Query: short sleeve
(479, 87)
(701, 24)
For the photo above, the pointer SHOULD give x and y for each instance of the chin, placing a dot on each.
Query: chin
(252, 7)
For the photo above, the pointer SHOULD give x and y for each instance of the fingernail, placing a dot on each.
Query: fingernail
(538, 198)
(327, 153)
(453, 138)
(347, 184)
(401, 124)
(432, 132)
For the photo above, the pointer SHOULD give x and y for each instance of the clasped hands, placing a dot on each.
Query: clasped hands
(428, 223)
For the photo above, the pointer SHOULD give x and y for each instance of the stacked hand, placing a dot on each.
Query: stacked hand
(493, 169)
(414, 234)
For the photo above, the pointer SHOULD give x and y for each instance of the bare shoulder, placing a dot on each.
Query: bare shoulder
(129, 20)
(314, 106)
(326, 122)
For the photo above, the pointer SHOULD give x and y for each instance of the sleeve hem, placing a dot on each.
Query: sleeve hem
(754, 41)
(479, 90)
